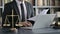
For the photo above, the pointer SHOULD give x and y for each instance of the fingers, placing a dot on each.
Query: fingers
(23, 24)
(26, 24)
(29, 24)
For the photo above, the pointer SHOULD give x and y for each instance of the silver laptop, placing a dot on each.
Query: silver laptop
(42, 21)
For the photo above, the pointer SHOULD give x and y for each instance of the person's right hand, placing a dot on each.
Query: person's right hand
(25, 24)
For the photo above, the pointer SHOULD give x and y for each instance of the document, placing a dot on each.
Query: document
(33, 18)
(42, 13)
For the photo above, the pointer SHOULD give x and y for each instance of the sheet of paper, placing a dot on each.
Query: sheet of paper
(33, 18)
(42, 12)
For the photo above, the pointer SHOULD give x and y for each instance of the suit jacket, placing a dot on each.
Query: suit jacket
(13, 5)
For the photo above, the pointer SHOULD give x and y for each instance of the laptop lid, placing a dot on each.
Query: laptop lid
(43, 21)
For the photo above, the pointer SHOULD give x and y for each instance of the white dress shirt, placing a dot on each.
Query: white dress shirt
(25, 10)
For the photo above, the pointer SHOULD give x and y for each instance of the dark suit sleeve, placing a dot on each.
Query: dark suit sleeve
(31, 10)
(5, 12)
(32, 13)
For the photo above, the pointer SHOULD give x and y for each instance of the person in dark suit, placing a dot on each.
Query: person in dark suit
(15, 5)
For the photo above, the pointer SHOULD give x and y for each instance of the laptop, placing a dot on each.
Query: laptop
(42, 21)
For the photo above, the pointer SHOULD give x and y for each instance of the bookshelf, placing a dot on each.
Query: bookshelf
(1, 7)
(52, 5)
(7, 1)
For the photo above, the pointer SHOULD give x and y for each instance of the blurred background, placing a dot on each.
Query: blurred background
(38, 5)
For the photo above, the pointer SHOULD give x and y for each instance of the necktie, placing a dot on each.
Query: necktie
(22, 11)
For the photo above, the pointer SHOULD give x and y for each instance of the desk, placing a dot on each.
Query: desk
(25, 31)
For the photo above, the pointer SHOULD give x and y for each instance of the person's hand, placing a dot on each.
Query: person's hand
(26, 24)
